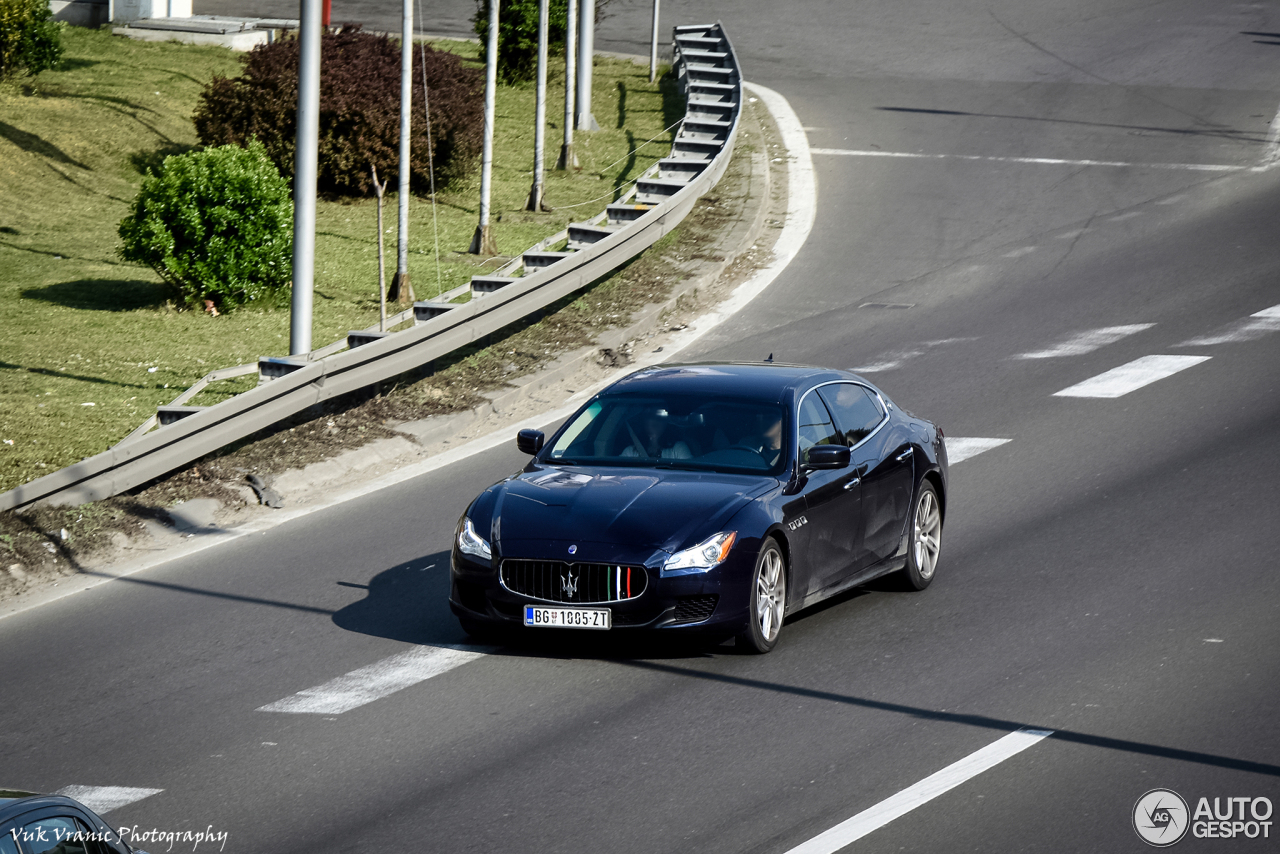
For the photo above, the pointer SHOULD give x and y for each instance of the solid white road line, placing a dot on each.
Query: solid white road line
(1118, 382)
(851, 830)
(961, 448)
(1033, 161)
(1254, 326)
(102, 799)
(374, 682)
(1087, 341)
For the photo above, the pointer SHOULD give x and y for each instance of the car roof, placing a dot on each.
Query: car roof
(726, 379)
(14, 802)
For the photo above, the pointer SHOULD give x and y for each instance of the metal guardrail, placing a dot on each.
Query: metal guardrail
(706, 65)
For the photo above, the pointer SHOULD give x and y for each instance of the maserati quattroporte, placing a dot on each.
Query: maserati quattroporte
(709, 498)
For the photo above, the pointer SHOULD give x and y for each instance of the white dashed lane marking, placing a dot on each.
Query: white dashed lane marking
(1256, 325)
(1087, 341)
(103, 799)
(896, 358)
(1118, 382)
(375, 681)
(961, 448)
(876, 817)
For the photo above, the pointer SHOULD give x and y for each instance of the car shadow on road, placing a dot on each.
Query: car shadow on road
(410, 603)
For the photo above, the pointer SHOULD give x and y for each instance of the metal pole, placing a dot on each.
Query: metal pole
(586, 60)
(304, 179)
(567, 158)
(482, 242)
(653, 45)
(400, 288)
(540, 112)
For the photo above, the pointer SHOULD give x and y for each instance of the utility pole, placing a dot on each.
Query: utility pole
(401, 289)
(653, 45)
(567, 158)
(540, 112)
(482, 242)
(304, 179)
(586, 62)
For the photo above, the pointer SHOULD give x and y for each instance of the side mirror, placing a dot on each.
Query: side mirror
(828, 457)
(530, 441)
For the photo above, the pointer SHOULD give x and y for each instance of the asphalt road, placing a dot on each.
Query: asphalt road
(1108, 574)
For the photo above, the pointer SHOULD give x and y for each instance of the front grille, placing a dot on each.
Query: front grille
(579, 583)
(695, 609)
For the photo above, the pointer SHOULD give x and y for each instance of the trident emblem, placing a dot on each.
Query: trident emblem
(569, 583)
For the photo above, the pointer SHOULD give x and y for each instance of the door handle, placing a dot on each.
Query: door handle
(902, 456)
(851, 484)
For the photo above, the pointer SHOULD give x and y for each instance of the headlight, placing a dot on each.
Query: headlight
(471, 543)
(709, 553)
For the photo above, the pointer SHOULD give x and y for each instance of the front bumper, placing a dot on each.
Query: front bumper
(701, 602)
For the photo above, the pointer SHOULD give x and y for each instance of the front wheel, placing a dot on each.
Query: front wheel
(926, 538)
(768, 598)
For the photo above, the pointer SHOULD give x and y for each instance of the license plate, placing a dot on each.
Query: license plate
(567, 618)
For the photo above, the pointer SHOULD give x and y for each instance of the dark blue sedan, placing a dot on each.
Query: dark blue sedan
(707, 498)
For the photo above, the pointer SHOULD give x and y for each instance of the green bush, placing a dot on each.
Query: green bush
(30, 40)
(216, 225)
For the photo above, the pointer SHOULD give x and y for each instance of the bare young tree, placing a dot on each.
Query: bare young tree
(378, 190)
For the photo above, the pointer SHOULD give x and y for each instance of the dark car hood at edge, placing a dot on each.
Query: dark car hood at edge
(636, 507)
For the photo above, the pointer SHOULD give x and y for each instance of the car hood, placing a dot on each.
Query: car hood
(633, 507)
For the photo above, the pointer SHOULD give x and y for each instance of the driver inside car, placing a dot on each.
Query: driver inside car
(649, 441)
(768, 443)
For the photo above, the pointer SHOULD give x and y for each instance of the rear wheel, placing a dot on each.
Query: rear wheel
(768, 600)
(926, 538)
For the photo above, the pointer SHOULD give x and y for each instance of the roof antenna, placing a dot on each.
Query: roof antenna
(770, 359)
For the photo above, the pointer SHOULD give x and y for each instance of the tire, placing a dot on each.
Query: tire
(767, 599)
(924, 538)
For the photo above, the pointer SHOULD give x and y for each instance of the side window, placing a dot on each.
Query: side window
(815, 426)
(856, 410)
(58, 835)
(7, 845)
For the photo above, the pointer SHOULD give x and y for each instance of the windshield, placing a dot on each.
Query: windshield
(674, 431)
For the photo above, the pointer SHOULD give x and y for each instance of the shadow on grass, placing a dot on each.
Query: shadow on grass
(103, 294)
(76, 64)
(33, 144)
(46, 372)
(149, 162)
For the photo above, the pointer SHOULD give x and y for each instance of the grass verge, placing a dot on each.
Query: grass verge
(92, 344)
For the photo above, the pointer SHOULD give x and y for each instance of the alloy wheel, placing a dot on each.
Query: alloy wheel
(771, 595)
(926, 540)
